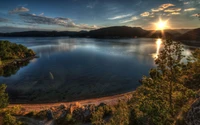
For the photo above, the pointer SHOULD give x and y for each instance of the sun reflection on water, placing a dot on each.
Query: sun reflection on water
(158, 45)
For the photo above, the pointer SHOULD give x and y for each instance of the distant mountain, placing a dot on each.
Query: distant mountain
(191, 37)
(117, 32)
(108, 32)
(40, 34)
(180, 31)
(113, 32)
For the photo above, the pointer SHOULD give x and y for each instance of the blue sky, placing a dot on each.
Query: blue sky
(76, 15)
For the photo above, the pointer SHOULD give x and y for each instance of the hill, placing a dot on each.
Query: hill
(117, 32)
(191, 37)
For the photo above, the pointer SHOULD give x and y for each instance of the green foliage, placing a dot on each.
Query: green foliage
(192, 71)
(10, 120)
(3, 96)
(10, 50)
(163, 98)
(120, 115)
(163, 94)
(97, 116)
(67, 120)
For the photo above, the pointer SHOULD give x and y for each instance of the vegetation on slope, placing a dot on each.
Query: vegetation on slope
(10, 50)
(165, 96)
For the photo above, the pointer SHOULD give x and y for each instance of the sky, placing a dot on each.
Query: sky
(77, 15)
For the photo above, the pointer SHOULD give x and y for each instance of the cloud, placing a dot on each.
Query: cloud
(3, 20)
(61, 21)
(120, 17)
(7, 29)
(162, 7)
(145, 14)
(175, 13)
(156, 10)
(190, 9)
(19, 10)
(186, 3)
(42, 14)
(171, 10)
(195, 15)
(167, 5)
(130, 20)
(91, 5)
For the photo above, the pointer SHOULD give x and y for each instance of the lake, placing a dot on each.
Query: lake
(79, 68)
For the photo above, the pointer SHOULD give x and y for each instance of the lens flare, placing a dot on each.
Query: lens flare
(161, 25)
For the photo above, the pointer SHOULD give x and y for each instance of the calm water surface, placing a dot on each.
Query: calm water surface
(78, 68)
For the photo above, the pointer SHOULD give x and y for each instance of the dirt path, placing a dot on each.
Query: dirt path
(110, 100)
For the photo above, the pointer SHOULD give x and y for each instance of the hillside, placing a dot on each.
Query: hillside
(191, 38)
(117, 32)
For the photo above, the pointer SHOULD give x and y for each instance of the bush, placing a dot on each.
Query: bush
(3, 96)
(10, 50)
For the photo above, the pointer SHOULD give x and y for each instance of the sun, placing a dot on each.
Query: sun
(161, 25)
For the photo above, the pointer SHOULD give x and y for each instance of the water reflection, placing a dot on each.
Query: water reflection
(158, 46)
(74, 68)
(9, 70)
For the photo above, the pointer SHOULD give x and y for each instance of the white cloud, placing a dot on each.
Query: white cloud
(145, 14)
(130, 20)
(120, 17)
(42, 14)
(61, 21)
(19, 10)
(186, 3)
(190, 9)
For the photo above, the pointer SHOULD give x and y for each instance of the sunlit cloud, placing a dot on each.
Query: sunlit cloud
(167, 5)
(171, 10)
(19, 10)
(162, 7)
(130, 20)
(176, 13)
(190, 9)
(195, 15)
(120, 17)
(145, 14)
(156, 10)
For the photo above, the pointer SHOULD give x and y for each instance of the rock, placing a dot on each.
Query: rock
(193, 115)
(50, 115)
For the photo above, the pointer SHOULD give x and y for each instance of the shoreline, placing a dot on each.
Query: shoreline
(109, 100)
